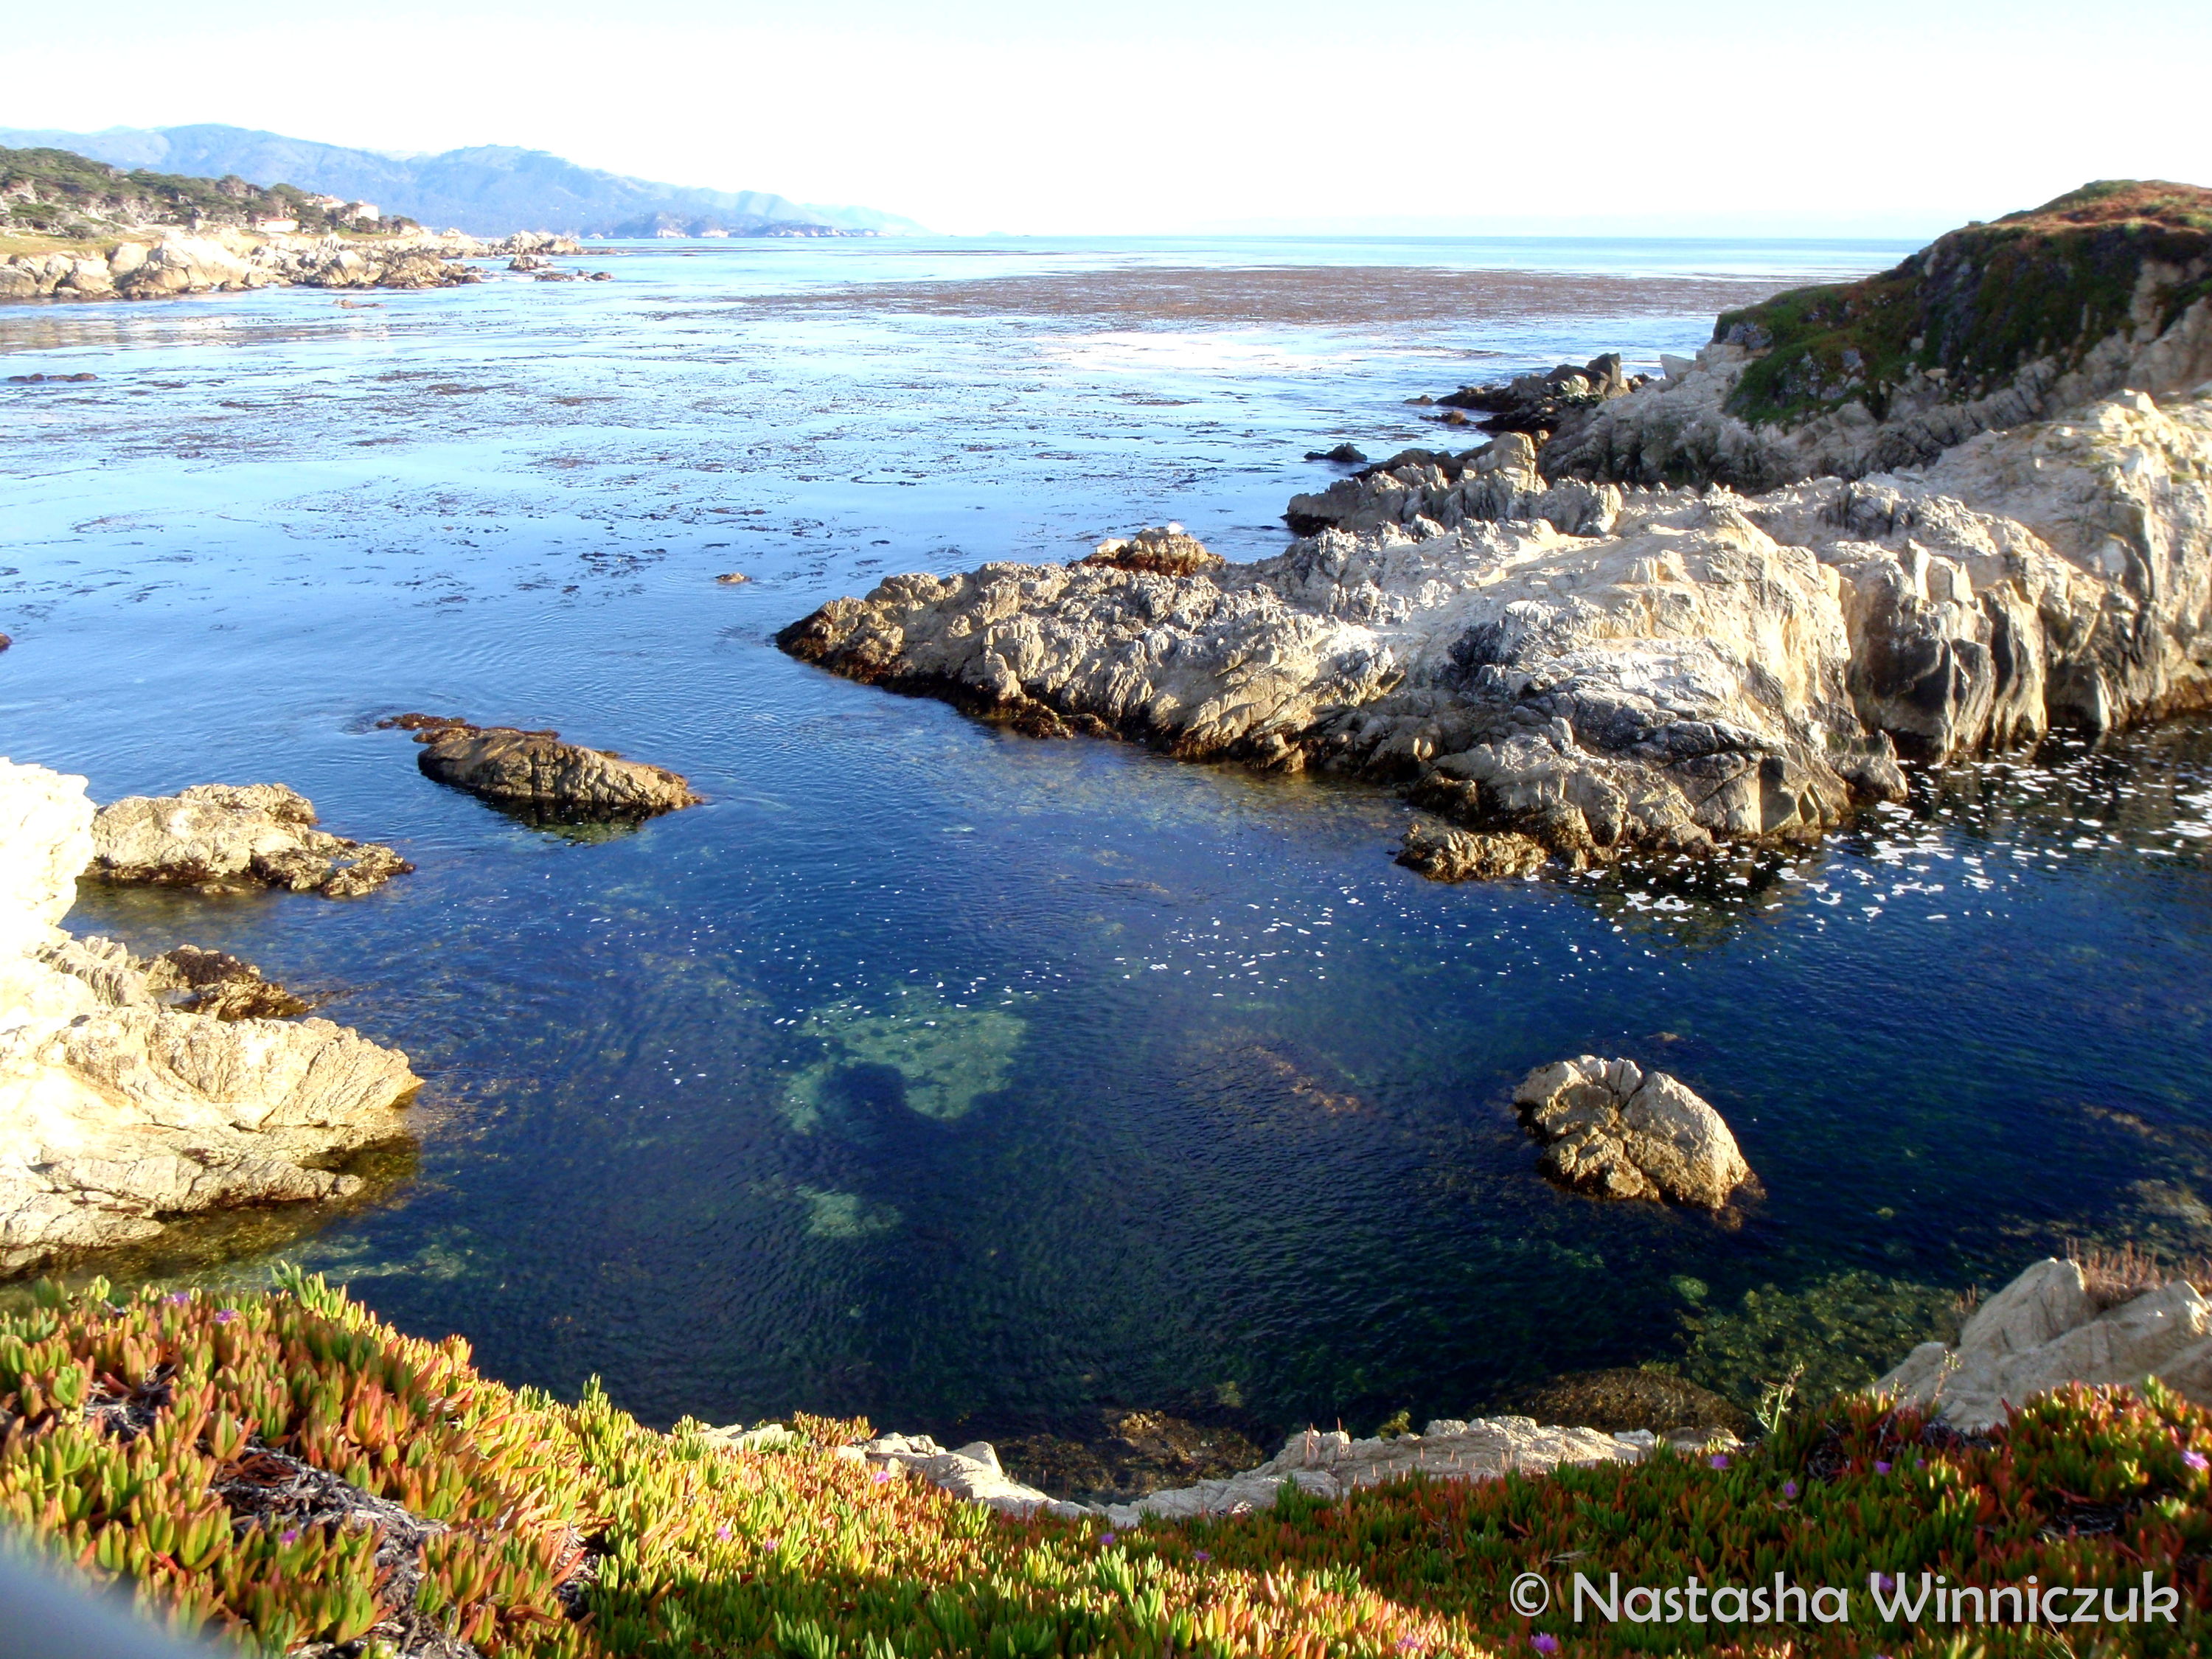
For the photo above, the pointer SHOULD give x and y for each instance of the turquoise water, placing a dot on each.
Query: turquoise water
(962, 1079)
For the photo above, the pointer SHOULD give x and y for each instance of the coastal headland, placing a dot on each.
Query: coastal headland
(1592, 640)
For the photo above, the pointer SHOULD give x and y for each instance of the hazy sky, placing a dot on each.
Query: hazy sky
(1883, 116)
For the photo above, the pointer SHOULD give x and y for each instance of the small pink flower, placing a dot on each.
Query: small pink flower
(1200, 1555)
(1544, 1643)
(721, 1532)
(880, 1476)
(224, 1315)
(1789, 1489)
(1718, 1459)
(2196, 1460)
(1881, 1468)
(1105, 1537)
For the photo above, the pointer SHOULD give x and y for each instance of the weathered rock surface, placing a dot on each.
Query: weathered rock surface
(1538, 403)
(2105, 289)
(1443, 853)
(1606, 669)
(198, 982)
(1168, 550)
(536, 770)
(1616, 1130)
(161, 263)
(233, 836)
(2046, 1330)
(1324, 1464)
(118, 1109)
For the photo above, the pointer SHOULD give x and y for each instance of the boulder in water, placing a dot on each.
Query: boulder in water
(1616, 1130)
(225, 836)
(538, 771)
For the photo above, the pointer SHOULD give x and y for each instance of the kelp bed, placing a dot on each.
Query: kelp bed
(290, 1475)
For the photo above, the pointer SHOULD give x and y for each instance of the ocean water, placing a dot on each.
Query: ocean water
(969, 1081)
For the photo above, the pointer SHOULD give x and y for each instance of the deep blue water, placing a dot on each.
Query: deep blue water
(934, 1072)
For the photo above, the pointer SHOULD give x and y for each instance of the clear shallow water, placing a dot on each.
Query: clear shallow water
(963, 1079)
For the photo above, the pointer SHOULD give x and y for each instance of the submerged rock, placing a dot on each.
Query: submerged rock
(1618, 1131)
(215, 983)
(1443, 853)
(1343, 455)
(2049, 1328)
(118, 1109)
(1123, 1454)
(233, 836)
(1626, 1397)
(537, 770)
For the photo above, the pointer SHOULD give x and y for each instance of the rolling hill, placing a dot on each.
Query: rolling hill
(491, 189)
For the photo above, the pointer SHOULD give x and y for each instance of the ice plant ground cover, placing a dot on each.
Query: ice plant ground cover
(290, 1470)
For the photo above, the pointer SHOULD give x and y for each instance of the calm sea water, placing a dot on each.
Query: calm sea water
(966, 1080)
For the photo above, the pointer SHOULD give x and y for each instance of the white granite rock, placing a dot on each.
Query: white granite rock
(1680, 671)
(1614, 1129)
(218, 835)
(117, 1110)
(2044, 1331)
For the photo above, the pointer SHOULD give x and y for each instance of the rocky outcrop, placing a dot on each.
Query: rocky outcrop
(1169, 551)
(537, 771)
(1538, 404)
(215, 983)
(1322, 1465)
(164, 263)
(1612, 1129)
(1605, 668)
(118, 1109)
(224, 837)
(2108, 289)
(2048, 1329)
(1443, 853)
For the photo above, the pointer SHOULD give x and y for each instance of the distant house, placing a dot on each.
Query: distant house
(275, 226)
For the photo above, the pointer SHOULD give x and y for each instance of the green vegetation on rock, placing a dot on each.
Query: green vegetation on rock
(290, 1472)
(1980, 303)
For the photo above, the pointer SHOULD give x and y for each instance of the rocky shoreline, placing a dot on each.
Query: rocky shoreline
(2059, 1324)
(134, 1091)
(1587, 649)
(161, 263)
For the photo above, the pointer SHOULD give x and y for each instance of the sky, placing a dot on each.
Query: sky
(1159, 116)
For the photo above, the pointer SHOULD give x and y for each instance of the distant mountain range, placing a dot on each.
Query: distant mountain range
(491, 190)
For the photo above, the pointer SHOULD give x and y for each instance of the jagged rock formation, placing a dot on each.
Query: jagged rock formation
(1538, 404)
(1613, 1129)
(538, 771)
(1168, 550)
(1443, 853)
(155, 264)
(2105, 289)
(1605, 668)
(118, 1109)
(198, 982)
(2049, 1329)
(227, 837)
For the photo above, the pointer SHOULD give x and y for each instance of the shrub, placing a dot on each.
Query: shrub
(290, 1471)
